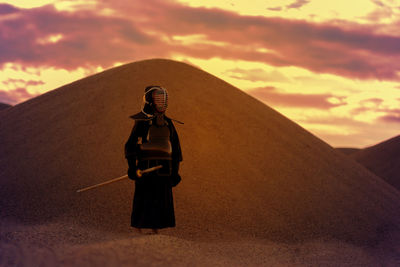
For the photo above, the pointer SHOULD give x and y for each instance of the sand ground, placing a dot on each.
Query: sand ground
(64, 244)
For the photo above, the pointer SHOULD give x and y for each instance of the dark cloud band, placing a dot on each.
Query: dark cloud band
(134, 32)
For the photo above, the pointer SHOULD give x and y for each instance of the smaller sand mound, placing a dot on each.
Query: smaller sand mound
(382, 159)
(4, 106)
(347, 150)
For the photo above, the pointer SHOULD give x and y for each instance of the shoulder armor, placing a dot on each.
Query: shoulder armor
(140, 117)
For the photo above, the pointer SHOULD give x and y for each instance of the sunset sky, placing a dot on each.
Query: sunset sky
(331, 66)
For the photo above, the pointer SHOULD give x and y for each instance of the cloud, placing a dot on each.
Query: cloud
(275, 8)
(394, 118)
(15, 90)
(297, 4)
(375, 105)
(349, 132)
(378, 3)
(348, 50)
(7, 9)
(11, 81)
(273, 97)
(15, 96)
(137, 31)
(381, 12)
(256, 75)
(87, 39)
(371, 102)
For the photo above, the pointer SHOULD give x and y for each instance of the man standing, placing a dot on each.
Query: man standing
(153, 142)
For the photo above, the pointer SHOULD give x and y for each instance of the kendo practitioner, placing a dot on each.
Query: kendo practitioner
(153, 142)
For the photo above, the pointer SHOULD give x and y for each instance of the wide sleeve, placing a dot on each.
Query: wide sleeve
(176, 146)
(130, 145)
(131, 148)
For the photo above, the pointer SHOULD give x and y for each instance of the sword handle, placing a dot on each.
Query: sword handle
(139, 173)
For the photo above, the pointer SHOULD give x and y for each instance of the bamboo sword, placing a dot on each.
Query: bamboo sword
(139, 173)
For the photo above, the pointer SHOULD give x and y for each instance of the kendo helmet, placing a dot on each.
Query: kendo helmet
(155, 100)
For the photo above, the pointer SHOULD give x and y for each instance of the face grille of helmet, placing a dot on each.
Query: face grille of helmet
(160, 100)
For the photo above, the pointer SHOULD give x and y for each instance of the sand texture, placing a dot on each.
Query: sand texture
(257, 189)
(382, 159)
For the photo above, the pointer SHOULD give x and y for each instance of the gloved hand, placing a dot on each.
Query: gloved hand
(132, 173)
(175, 179)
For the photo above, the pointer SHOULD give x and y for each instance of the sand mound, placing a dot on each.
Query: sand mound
(347, 150)
(4, 106)
(382, 159)
(247, 172)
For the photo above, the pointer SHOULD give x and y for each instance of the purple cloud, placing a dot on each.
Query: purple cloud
(88, 39)
(392, 115)
(146, 30)
(275, 8)
(15, 96)
(378, 3)
(7, 9)
(364, 106)
(353, 51)
(297, 4)
(391, 118)
(26, 83)
(273, 97)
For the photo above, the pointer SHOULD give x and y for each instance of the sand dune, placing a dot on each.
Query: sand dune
(4, 106)
(347, 150)
(248, 172)
(382, 159)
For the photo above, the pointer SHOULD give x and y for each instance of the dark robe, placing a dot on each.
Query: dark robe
(153, 205)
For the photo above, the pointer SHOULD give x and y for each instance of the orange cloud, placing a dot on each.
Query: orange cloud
(147, 30)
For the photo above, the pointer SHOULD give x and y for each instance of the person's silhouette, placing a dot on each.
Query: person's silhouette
(153, 142)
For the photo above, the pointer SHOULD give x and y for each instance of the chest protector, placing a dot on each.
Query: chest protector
(156, 148)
